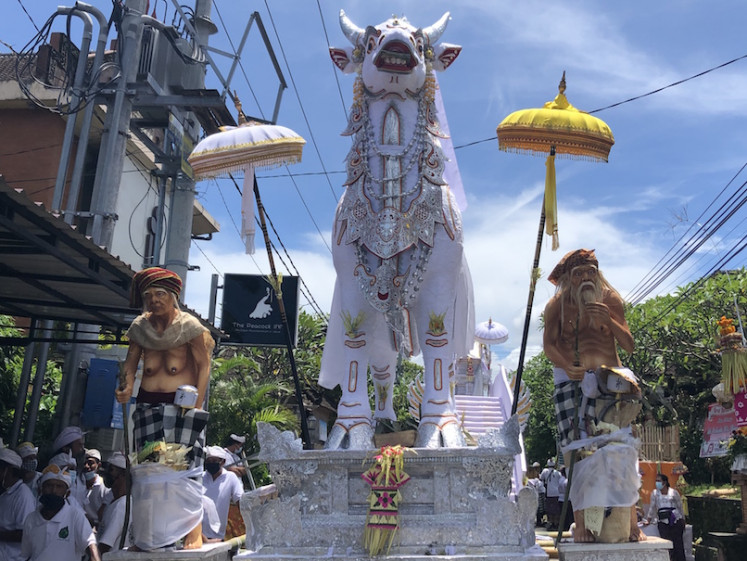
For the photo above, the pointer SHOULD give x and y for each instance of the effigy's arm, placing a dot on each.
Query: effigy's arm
(201, 356)
(134, 352)
(619, 325)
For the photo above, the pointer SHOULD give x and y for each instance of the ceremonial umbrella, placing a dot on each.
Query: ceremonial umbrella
(559, 129)
(248, 147)
(491, 333)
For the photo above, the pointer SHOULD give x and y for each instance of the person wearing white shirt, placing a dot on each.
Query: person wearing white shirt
(16, 503)
(57, 531)
(222, 486)
(666, 508)
(551, 478)
(97, 494)
(29, 463)
(113, 516)
(235, 462)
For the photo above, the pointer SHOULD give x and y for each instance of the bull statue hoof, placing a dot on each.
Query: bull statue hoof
(447, 434)
(356, 437)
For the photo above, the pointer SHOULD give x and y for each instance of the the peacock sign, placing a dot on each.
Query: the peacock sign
(251, 315)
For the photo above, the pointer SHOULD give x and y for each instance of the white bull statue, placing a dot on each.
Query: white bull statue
(403, 285)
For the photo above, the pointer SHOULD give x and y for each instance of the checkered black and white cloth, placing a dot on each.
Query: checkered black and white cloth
(565, 396)
(165, 421)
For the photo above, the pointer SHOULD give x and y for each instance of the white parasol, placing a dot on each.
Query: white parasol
(247, 147)
(491, 333)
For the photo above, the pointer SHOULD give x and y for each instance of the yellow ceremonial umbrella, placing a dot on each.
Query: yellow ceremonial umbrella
(556, 129)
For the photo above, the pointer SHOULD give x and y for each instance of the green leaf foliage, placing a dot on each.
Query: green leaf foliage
(677, 358)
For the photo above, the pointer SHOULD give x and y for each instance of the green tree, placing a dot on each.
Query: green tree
(677, 357)
(541, 431)
(11, 363)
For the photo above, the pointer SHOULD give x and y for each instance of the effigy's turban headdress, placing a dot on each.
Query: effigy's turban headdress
(570, 260)
(153, 277)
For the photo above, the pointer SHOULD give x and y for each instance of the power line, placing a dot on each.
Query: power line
(309, 297)
(736, 250)
(300, 103)
(25, 11)
(661, 270)
(332, 66)
(677, 83)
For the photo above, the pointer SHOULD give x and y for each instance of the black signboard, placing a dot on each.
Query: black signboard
(250, 311)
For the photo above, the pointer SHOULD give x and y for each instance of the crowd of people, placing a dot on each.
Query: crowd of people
(76, 505)
(665, 508)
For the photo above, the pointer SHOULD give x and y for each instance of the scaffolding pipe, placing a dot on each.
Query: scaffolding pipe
(23, 388)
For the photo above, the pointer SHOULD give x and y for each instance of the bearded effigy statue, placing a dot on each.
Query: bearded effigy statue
(403, 285)
(595, 397)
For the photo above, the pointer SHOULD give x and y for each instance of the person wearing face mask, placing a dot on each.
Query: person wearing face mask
(65, 462)
(16, 503)
(234, 448)
(56, 531)
(29, 463)
(666, 509)
(222, 486)
(97, 493)
(113, 515)
(70, 442)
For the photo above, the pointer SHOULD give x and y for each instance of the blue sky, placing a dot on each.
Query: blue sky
(674, 153)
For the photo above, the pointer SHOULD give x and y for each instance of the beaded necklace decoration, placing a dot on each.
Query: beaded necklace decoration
(392, 218)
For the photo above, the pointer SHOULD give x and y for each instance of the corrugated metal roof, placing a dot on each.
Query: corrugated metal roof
(49, 270)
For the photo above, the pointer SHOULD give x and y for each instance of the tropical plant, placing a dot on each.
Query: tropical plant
(541, 431)
(677, 358)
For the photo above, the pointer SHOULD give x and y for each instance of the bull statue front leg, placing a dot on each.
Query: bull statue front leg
(438, 319)
(364, 347)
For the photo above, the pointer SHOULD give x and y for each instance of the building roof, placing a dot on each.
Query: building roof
(50, 271)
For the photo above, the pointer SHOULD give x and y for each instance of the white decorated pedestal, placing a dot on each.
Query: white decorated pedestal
(455, 506)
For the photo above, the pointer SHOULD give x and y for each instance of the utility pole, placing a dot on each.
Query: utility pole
(176, 255)
(116, 128)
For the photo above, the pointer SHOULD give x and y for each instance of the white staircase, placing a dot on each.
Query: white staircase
(479, 414)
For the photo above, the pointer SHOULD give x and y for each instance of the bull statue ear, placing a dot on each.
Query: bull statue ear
(444, 54)
(343, 59)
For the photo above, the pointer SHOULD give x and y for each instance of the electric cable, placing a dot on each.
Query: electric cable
(300, 103)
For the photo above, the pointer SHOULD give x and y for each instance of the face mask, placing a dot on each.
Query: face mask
(238, 450)
(52, 502)
(73, 475)
(212, 467)
(659, 485)
(89, 475)
(29, 465)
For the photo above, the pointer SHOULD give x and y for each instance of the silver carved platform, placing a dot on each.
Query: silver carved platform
(455, 506)
(651, 549)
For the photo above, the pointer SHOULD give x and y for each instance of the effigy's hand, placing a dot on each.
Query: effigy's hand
(575, 371)
(123, 394)
(599, 313)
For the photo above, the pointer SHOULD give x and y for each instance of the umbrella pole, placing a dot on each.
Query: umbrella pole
(530, 302)
(281, 307)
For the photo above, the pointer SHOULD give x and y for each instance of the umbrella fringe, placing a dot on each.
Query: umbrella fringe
(544, 153)
(218, 169)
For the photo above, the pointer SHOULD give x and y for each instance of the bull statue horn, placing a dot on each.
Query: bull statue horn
(351, 31)
(434, 32)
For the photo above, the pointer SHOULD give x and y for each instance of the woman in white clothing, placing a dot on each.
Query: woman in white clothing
(666, 507)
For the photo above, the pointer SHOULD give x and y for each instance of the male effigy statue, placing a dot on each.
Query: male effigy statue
(402, 281)
(595, 398)
(175, 349)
